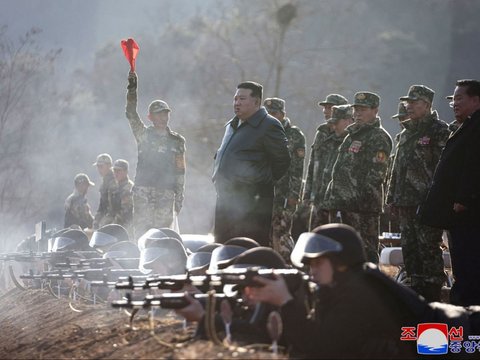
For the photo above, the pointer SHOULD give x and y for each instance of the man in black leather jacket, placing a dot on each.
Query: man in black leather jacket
(453, 201)
(253, 154)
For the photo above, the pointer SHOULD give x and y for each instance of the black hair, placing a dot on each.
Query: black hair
(473, 86)
(257, 89)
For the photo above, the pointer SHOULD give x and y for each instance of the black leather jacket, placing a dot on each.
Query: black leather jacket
(252, 153)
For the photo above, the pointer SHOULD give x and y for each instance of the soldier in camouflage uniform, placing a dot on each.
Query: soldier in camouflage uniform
(121, 199)
(358, 175)
(312, 195)
(416, 157)
(160, 175)
(342, 117)
(287, 188)
(104, 168)
(77, 210)
(388, 220)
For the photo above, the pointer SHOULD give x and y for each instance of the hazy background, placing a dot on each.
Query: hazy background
(63, 79)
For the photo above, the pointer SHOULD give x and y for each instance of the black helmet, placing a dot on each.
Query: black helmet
(169, 254)
(263, 257)
(223, 256)
(171, 233)
(198, 262)
(208, 247)
(72, 239)
(147, 237)
(108, 235)
(242, 241)
(339, 239)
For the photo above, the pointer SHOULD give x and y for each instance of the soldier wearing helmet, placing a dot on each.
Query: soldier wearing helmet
(160, 175)
(359, 311)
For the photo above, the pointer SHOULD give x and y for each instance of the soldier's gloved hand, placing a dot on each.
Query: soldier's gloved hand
(132, 80)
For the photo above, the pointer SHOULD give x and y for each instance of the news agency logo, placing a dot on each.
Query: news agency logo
(432, 339)
(438, 339)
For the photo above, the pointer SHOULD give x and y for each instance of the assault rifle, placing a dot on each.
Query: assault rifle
(240, 277)
(165, 301)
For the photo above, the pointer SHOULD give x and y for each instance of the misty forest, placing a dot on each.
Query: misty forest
(63, 80)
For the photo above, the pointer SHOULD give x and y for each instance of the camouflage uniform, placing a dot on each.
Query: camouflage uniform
(329, 149)
(160, 174)
(389, 221)
(107, 187)
(77, 209)
(121, 201)
(318, 158)
(287, 188)
(416, 157)
(358, 175)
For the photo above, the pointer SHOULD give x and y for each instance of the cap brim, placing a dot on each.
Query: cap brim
(323, 103)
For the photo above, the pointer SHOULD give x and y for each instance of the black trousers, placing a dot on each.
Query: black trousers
(465, 256)
(244, 210)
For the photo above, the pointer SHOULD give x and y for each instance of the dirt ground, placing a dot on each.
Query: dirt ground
(35, 324)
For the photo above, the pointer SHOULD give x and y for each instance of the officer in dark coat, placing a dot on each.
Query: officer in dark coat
(453, 201)
(253, 154)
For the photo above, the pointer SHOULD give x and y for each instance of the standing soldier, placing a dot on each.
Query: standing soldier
(160, 174)
(359, 172)
(77, 210)
(342, 116)
(287, 189)
(312, 196)
(389, 220)
(420, 144)
(104, 168)
(122, 198)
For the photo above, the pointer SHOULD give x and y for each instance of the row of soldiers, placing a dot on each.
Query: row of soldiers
(353, 177)
(116, 199)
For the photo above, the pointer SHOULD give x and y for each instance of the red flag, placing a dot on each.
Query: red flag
(130, 49)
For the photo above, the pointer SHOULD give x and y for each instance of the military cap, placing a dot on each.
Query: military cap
(366, 98)
(333, 99)
(157, 106)
(419, 92)
(402, 111)
(103, 159)
(340, 112)
(82, 178)
(121, 164)
(274, 104)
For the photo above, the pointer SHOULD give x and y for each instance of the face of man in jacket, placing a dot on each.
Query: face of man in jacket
(244, 105)
(463, 104)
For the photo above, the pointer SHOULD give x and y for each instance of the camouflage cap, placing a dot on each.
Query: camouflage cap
(274, 104)
(157, 106)
(103, 159)
(333, 99)
(401, 112)
(419, 92)
(82, 178)
(366, 98)
(121, 164)
(340, 112)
